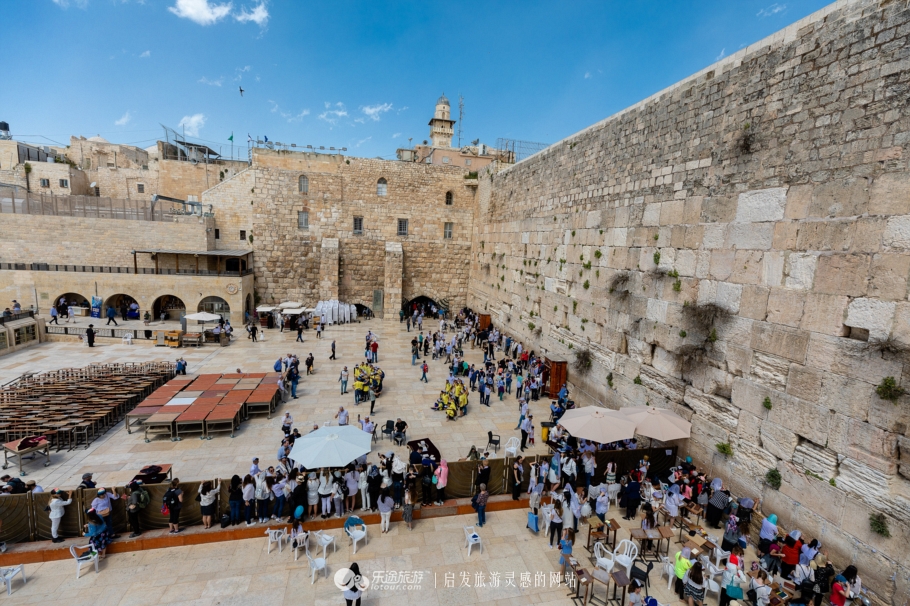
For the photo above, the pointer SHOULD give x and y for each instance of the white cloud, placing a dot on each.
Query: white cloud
(259, 15)
(76, 3)
(360, 120)
(202, 12)
(362, 141)
(289, 116)
(218, 82)
(587, 75)
(771, 10)
(402, 109)
(124, 119)
(723, 53)
(146, 54)
(374, 112)
(192, 124)
(396, 135)
(240, 71)
(332, 116)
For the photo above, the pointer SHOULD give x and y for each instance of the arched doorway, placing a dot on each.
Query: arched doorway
(363, 311)
(424, 304)
(125, 306)
(172, 307)
(70, 299)
(215, 305)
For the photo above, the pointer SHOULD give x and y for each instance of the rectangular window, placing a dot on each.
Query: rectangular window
(45, 182)
(402, 227)
(447, 231)
(243, 234)
(97, 192)
(445, 160)
(303, 219)
(358, 225)
(140, 187)
(467, 162)
(64, 182)
(217, 234)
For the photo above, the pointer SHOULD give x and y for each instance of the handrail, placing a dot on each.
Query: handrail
(104, 269)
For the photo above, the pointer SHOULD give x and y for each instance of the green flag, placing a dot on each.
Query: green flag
(231, 138)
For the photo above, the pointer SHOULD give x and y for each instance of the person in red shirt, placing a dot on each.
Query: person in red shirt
(790, 553)
(839, 591)
(374, 347)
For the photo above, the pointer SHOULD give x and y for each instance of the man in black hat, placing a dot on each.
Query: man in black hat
(90, 335)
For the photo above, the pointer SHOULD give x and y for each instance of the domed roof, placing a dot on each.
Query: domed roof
(442, 100)
(98, 139)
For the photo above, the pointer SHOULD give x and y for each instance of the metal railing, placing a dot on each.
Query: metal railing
(16, 316)
(18, 201)
(103, 269)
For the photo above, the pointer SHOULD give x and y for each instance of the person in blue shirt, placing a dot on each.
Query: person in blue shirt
(563, 395)
(111, 316)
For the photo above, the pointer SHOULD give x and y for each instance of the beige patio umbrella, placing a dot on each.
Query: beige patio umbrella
(597, 424)
(657, 423)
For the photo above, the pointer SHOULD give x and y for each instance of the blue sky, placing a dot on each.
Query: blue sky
(362, 75)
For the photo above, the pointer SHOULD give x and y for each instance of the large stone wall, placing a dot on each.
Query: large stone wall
(772, 185)
(289, 258)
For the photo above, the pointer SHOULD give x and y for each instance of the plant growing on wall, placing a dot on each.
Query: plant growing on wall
(250, 238)
(683, 334)
(677, 286)
(587, 284)
(619, 283)
(610, 379)
(888, 389)
(530, 325)
(766, 403)
(879, 524)
(637, 380)
(584, 359)
(773, 479)
(746, 139)
(657, 258)
(574, 306)
(597, 253)
(724, 448)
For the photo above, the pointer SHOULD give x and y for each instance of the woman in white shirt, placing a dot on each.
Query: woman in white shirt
(555, 522)
(672, 503)
(325, 494)
(312, 493)
(249, 497)
(56, 505)
(569, 470)
(602, 506)
(362, 485)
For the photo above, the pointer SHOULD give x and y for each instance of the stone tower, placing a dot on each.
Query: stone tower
(442, 126)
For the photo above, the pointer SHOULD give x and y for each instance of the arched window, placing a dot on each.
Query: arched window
(303, 184)
(449, 198)
(382, 187)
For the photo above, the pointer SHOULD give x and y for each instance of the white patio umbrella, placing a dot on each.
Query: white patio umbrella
(289, 305)
(203, 316)
(657, 423)
(330, 447)
(598, 424)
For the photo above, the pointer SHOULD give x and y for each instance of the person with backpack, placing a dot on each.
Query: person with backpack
(138, 500)
(172, 503)
(424, 369)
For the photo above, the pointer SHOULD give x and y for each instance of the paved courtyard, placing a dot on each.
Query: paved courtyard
(117, 455)
(242, 572)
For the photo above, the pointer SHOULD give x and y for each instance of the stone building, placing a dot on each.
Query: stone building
(737, 248)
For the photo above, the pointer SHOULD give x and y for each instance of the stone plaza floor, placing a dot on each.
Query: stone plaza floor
(117, 455)
(515, 568)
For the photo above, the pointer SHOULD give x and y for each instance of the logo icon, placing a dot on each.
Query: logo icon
(346, 579)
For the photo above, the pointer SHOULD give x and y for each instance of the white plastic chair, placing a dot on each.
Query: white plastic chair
(613, 492)
(357, 534)
(712, 587)
(625, 553)
(545, 511)
(8, 574)
(276, 535)
(302, 539)
(126, 339)
(88, 556)
(316, 564)
(667, 569)
(512, 447)
(720, 554)
(713, 571)
(324, 540)
(471, 538)
(603, 557)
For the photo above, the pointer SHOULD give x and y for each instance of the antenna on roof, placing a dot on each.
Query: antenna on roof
(460, 117)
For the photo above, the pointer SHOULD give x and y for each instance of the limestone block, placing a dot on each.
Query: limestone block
(781, 341)
(750, 463)
(702, 264)
(685, 262)
(884, 414)
(819, 460)
(748, 266)
(804, 418)
(657, 310)
(714, 236)
(779, 441)
(864, 442)
(845, 395)
(873, 315)
(671, 213)
(786, 235)
(754, 303)
(825, 314)
(729, 296)
(722, 263)
(718, 210)
(824, 499)
(758, 236)
(666, 362)
(840, 198)
(890, 194)
(903, 444)
(708, 433)
(897, 232)
(669, 387)
(842, 275)
(804, 382)
(799, 197)
(720, 411)
(761, 205)
(770, 370)
(749, 425)
(639, 351)
(799, 270)
(738, 360)
(652, 214)
(772, 271)
(872, 486)
(785, 307)
(707, 292)
(889, 276)
(667, 258)
(694, 236)
(749, 395)
(692, 209)
(776, 502)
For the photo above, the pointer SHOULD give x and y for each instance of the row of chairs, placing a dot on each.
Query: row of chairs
(280, 536)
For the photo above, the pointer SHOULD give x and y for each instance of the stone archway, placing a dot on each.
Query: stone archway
(172, 306)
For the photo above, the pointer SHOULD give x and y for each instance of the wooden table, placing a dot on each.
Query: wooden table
(619, 580)
(220, 417)
(161, 423)
(167, 470)
(775, 589)
(641, 535)
(696, 509)
(597, 535)
(602, 576)
(612, 525)
(582, 579)
(15, 449)
(139, 414)
(699, 545)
